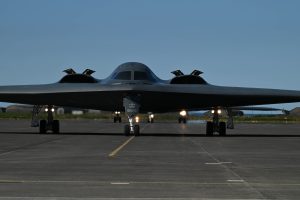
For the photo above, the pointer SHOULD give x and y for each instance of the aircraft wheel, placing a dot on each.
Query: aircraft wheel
(179, 120)
(152, 121)
(55, 126)
(222, 128)
(184, 120)
(115, 119)
(120, 120)
(43, 126)
(209, 129)
(127, 130)
(136, 130)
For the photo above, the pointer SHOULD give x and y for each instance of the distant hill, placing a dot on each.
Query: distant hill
(295, 112)
(19, 108)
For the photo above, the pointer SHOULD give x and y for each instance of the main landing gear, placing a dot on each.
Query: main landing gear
(182, 117)
(150, 118)
(216, 125)
(117, 117)
(50, 124)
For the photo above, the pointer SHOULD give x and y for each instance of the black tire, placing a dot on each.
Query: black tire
(179, 120)
(43, 126)
(136, 130)
(222, 128)
(127, 130)
(209, 129)
(120, 120)
(115, 119)
(55, 126)
(184, 120)
(152, 121)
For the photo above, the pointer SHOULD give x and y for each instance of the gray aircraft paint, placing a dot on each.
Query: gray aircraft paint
(156, 95)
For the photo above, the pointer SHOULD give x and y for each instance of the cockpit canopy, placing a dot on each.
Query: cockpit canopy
(133, 71)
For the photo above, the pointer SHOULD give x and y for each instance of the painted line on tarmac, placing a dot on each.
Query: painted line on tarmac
(233, 181)
(218, 163)
(236, 181)
(116, 151)
(120, 183)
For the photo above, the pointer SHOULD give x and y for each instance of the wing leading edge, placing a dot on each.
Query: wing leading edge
(154, 98)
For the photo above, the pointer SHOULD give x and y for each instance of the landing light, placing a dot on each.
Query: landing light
(137, 119)
(151, 116)
(218, 111)
(52, 110)
(46, 109)
(117, 112)
(183, 113)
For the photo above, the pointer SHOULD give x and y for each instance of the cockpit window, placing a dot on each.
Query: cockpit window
(126, 75)
(140, 75)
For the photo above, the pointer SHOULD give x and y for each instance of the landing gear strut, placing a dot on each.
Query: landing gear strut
(131, 128)
(182, 117)
(117, 117)
(35, 115)
(230, 123)
(216, 125)
(50, 124)
(150, 118)
(131, 104)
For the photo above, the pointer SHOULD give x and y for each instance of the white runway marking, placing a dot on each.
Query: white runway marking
(236, 181)
(218, 163)
(119, 183)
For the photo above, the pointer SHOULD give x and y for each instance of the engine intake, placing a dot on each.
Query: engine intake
(193, 78)
(73, 77)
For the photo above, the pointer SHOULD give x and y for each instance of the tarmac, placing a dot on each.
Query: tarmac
(93, 160)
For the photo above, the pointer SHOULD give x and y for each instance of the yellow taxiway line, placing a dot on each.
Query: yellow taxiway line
(115, 152)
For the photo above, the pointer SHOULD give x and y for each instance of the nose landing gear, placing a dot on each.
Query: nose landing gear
(131, 127)
(132, 106)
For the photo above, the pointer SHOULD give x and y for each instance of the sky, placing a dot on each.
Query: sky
(247, 43)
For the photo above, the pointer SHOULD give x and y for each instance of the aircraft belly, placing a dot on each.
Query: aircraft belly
(153, 98)
(91, 100)
(165, 102)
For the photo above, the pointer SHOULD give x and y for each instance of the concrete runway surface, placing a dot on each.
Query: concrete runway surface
(93, 160)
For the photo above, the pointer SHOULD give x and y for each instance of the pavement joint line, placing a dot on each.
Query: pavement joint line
(229, 170)
(116, 151)
(29, 146)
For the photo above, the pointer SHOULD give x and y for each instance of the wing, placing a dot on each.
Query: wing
(163, 98)
(154, 98)
(81, 95)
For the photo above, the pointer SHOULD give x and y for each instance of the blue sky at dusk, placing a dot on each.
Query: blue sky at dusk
(251, 43)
